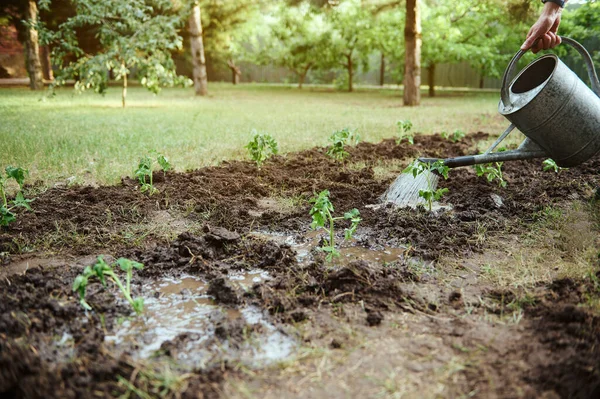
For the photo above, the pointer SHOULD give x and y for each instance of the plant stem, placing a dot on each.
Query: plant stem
(118, 283)
(331, 231)
(429, 187)
(4, 201)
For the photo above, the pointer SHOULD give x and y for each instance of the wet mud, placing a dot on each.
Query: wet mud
(229, 291)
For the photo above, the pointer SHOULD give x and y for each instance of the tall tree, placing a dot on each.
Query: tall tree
(412, 58)
(352, 37)
(296, 39)
(388, 22)
(32, 47)
(138, 34)
(227, 26)
(197, 47)
(23, 15)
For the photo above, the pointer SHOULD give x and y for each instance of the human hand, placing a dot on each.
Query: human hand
(545, 29)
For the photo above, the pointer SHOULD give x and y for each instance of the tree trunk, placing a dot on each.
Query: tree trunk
(47, 63)
(412, 58)
(124, 92)
(481, 77)
(350, 73)
(382, 70)
(302, 75)
(32, 49)
(235, 72)
(198, 59)
(431, 79)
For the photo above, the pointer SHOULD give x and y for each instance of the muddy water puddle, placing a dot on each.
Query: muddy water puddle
(349, 251)
(178, 311)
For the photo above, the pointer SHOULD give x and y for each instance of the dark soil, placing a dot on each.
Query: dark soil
(225, 201)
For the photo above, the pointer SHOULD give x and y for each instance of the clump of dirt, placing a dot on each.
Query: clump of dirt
(223, 291)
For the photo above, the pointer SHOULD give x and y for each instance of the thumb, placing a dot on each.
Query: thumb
(528, 42)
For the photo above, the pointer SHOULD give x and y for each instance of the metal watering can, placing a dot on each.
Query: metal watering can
(557, 112)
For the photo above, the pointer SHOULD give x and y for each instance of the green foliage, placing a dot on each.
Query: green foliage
(144, 172)
(492, 171)
(430, 193)
(339, 140)
(135, 35)
(454, 137)
(103, 271)
(484, 34)
(550, 164)
(582, 24)
(404, 128)
(7, 215)
(351, 37)
(296, 39)
(261, 147)
(322, 218)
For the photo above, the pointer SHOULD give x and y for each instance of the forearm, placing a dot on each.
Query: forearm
(551, 9)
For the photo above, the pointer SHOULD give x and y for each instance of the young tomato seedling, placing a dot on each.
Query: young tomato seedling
(144, 171)
(6, 207)
(404, 128)
(322, 216)
(261, 147)
(454, 137)
(492, 172)
(550, 164)
(339, 140)
(102, 271)
(429, 194)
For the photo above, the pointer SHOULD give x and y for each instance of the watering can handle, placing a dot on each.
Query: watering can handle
(509, 72)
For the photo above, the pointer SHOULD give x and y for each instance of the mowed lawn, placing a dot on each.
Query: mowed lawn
(89, 138)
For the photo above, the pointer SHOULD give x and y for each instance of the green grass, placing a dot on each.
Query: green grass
(90, 139)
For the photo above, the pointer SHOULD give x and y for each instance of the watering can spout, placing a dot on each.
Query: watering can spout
(527, 150)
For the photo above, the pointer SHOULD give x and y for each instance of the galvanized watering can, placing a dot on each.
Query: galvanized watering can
(557, 112)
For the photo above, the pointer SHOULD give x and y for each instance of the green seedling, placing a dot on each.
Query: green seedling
(429, 194)
(492, 171)
(322, 216)
(104, 271)
(144, 171)
(404, 128)
(550, 164)
(454, 137)
(261, 147)
(339, 140)
(7, 215)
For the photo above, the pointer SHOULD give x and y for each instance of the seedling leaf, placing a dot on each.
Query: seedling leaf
(6, 216)
(21, 201)
(17, 173)
(128, 264)
(164, 163)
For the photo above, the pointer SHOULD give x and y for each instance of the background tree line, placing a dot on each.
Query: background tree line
(95, 41)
